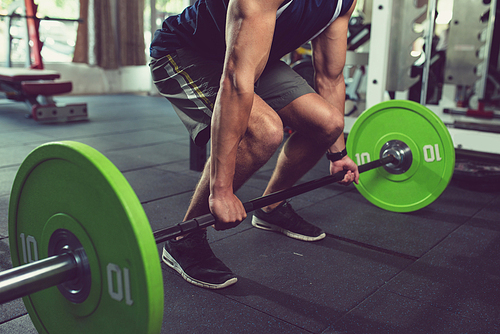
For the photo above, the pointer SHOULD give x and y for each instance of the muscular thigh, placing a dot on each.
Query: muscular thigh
(296, 103)
(310, 113)
(264, 122)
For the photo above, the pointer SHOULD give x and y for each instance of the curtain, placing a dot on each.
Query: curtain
(118, 33)
(81, 54)
(105, 43)
(131, 32)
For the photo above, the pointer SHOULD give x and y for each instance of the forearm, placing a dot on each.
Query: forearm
(329, 52)
(249, 32)
(333, 90)
(229, 123)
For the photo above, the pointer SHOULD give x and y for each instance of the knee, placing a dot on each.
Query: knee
(273, 134)
(330, 127)
(265, 135)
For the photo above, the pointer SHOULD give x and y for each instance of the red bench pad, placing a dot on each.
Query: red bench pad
(26, 74)
(46, 88)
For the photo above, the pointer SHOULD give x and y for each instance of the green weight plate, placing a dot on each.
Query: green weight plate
(430, 144)
(68, 185)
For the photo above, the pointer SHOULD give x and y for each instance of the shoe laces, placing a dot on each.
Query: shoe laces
(294, 219)
(199, 242)
(297, 223)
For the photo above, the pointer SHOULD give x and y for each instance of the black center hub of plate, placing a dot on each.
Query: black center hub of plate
(78, 289)
(401, 152)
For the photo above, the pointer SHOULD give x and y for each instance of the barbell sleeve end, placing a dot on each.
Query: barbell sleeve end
(24, 280)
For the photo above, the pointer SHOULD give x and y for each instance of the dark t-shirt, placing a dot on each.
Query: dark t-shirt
(202, 27)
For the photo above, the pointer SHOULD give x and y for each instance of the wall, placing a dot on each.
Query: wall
(94, 80)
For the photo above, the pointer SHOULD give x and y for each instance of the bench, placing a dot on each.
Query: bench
(37, 88)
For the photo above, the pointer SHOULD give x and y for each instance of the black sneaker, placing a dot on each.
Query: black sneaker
(193, 258)
(285, 220)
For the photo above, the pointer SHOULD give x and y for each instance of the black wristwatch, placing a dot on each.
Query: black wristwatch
(336, 156)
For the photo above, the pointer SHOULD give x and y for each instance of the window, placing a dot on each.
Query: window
(58, 36)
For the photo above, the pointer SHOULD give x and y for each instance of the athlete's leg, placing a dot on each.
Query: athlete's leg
(261, 140)
(317, 126)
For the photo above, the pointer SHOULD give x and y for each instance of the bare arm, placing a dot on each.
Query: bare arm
(249, 32)
(329, 54)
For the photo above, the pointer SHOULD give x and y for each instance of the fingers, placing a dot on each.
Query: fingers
(351, 169)
(353, 176)
(350, 177)
(228, 212)
(226, 226)
(356, 177)
(230, 221)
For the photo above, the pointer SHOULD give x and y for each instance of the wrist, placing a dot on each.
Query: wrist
(336, 156)
(221, 191)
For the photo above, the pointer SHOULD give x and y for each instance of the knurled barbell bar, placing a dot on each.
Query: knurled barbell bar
(72, 208)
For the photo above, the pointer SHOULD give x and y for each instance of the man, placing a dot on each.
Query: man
(218, 63)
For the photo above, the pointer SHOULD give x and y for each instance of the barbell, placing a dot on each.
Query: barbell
(85, 257)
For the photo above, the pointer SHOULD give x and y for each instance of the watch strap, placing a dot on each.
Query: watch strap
(336, 156)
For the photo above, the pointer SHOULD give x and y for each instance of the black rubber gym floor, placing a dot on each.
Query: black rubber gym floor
(436, 270)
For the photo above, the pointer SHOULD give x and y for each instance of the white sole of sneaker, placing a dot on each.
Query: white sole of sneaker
(262, 224)
(170, 261)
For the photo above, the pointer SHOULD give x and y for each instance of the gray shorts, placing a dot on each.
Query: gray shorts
(191, 82)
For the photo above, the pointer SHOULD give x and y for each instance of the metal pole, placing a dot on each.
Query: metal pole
(8, 61)
(431, 17)
(379, 51)
(36, 276)
(45, 18)
(208, 219)
(487, 51)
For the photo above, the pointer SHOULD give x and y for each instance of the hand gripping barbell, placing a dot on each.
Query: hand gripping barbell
(89, 258)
